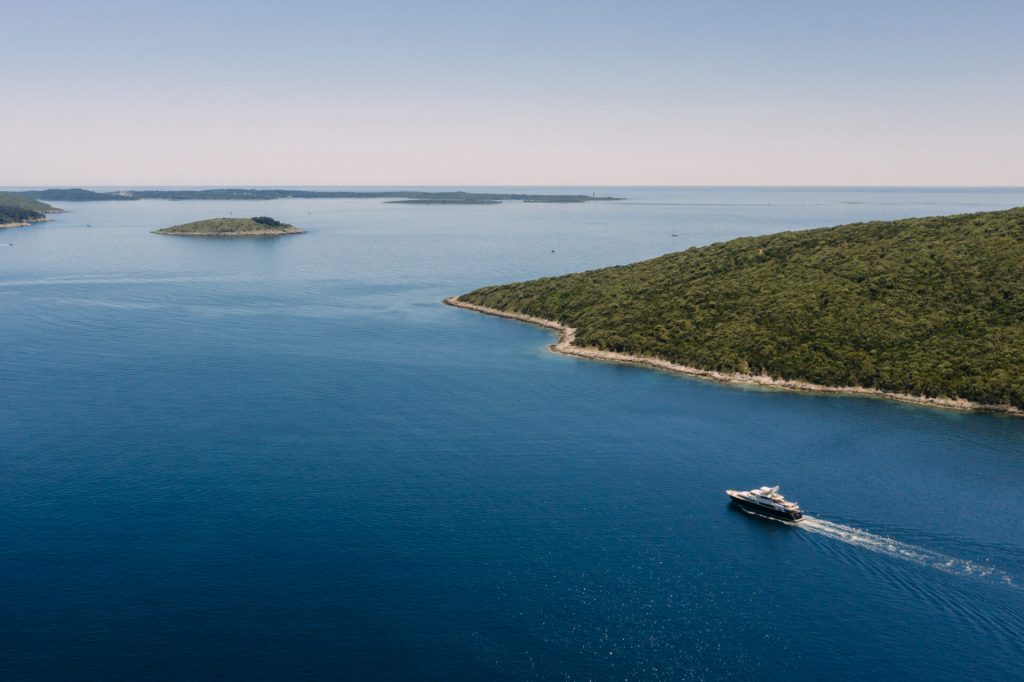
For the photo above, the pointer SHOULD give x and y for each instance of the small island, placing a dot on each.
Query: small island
(260, 226)
(19, 211)
(921, 310)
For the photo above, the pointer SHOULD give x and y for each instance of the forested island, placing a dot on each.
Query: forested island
(17, 210)
(926, 309)
(76, 194)
(260, 226)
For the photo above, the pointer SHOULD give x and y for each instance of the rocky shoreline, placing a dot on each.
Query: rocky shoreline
(566, 345)
(23, 223)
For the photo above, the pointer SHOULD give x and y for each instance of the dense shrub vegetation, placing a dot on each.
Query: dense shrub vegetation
(931, 306)
(15, 208)
(225, 227)
(13, 214)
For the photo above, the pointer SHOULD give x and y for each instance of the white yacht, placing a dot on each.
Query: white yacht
(767, 501)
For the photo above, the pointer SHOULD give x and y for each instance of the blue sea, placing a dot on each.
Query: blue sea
(285, 459)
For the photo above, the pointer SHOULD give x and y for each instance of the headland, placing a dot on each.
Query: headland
(923, 310)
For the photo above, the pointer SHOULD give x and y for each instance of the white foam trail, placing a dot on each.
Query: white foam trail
(902, 550)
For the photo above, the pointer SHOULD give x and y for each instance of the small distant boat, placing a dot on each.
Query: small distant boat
(767, 500)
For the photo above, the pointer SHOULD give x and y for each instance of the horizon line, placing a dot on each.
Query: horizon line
(73, 185)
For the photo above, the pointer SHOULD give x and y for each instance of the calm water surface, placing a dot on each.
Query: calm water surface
(284, 458)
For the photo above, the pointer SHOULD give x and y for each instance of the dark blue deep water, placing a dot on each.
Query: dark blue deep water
(285, 459)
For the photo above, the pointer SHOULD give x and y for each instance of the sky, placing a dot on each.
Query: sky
(309, 92)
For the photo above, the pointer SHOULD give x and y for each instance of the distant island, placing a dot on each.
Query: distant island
(18, 211)
(925, 310)
(76, 194)
(466, 201)
(260, 226)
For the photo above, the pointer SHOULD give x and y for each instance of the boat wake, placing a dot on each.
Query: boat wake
(902, 550)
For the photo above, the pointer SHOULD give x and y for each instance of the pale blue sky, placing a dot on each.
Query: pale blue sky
(336, 93)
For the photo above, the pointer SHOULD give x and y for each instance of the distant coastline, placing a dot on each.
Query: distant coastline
(469, 201)
(566, 346)
(231, 194)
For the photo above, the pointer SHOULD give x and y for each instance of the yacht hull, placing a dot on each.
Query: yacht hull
(749, 505)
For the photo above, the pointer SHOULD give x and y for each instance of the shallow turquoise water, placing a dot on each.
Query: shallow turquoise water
(284, 458)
